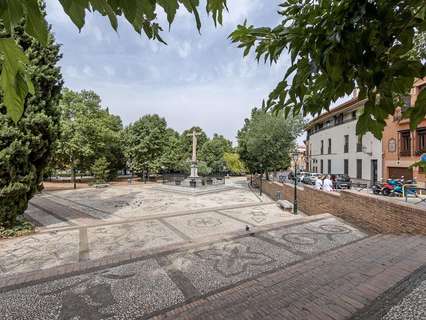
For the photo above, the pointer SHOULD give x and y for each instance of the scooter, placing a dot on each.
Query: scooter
(398, 189)
(377, 188)
(388, 187)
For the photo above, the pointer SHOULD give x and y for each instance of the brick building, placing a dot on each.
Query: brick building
(402, 147)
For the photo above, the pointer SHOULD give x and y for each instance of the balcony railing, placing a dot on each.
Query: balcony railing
(346, 148)
(405, 153)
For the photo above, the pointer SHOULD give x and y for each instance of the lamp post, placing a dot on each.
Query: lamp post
(295, 158)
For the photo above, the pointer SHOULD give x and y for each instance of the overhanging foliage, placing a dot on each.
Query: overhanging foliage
(141, 14)
(336, 46)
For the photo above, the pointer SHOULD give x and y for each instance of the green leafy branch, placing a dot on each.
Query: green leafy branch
(141, 14)
(336, 46)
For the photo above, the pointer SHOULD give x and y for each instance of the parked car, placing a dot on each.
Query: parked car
(310, 178)
(300, 175)
(341, 181)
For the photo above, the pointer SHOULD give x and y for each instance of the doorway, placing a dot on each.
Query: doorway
(373, 172)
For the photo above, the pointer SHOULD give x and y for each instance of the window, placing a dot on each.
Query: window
(338, 119)
(322, 166)
(329, 167)
(346, 166)
(353, 115)
(322, 146)
(329, 146)
(359, 168)
(405, 143)
(346, 145)
(407, 102)
(392, 145)
(359, 144)
(421, 139)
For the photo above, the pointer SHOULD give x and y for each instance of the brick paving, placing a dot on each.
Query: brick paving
(334, 285)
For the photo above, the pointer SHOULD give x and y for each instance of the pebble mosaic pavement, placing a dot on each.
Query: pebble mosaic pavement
(140, 288)
(99, 223)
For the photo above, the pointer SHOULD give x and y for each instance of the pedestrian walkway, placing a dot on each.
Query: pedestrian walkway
(307, 269)
(335, 285)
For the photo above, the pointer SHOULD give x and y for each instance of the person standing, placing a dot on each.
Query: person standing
(318, 183)
(327, 184)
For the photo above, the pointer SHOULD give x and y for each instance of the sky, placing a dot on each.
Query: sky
(196, 80)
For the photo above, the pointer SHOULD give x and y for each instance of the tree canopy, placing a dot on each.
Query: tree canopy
(266, 140)
(336, 46)
(145, 143)
(88, 132)
(26, 146)
(212, 152)
(142, 15)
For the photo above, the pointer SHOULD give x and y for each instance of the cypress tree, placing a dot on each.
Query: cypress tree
(26, 146)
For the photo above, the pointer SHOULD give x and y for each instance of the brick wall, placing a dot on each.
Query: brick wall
(369, 212)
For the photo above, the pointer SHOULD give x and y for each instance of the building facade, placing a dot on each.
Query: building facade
(301, 160)
(334, 148)
(401, 146)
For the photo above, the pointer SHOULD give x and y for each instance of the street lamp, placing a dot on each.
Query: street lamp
(295, 158)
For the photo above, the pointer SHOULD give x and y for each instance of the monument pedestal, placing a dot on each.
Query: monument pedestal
(194, 171)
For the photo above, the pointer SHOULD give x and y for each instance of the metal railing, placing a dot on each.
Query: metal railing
(185, 180)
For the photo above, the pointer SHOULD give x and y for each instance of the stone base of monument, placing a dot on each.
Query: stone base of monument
(194, 182)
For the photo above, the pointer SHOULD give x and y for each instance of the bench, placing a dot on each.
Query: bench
(284, 204)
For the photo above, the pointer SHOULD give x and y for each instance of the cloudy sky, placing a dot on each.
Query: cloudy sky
(195, 80)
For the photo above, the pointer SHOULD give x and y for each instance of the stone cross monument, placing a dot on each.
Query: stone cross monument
(194, 167)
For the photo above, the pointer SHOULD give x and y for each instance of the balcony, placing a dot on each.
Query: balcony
(346, 148)
(405, 153)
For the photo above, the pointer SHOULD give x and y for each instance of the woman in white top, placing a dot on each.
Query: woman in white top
(318, 183)
(327, 184)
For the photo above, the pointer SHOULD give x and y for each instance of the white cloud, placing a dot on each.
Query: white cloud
(55, 12)
(110, 71)
(240, 10)
(88, 71)
(184, 49)
(71, 71)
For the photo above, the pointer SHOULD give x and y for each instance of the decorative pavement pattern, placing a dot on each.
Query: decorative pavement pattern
(118, 203)
(143, 287)
(82, 225)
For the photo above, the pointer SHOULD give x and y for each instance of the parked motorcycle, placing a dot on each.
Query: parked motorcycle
(395, 187)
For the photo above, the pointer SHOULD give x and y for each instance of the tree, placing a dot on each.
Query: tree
(142, 15)
(266, 140)
(233, 163)
(212, 152)
(100, 170)
(173, 158)
(336, 46)
(146, 140)
(186, 140)
(26, 146)
(88, 132)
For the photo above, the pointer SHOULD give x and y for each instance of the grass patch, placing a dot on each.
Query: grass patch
(22, 228)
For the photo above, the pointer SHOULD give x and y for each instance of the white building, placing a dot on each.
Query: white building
(333, 146)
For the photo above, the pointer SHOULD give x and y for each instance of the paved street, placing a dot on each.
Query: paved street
(140, 262)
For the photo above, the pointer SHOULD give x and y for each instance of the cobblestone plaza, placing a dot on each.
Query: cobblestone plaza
(139, 252)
